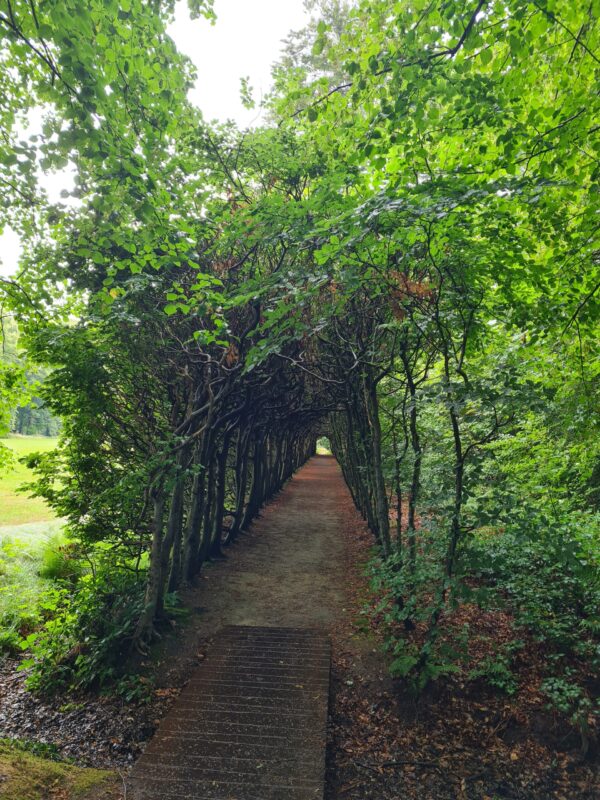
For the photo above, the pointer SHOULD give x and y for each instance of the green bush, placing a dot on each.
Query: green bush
(547, 572)
(9, 641)
(544, 571)
(571, 700)
(32, 571)
(85, 642)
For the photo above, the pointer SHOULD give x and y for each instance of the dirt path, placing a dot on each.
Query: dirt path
(287, 571)
(300, 565)
(290, 570)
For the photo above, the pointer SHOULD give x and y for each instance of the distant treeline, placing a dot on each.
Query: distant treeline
(32, 417)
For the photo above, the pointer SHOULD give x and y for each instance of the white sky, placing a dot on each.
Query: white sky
(244, 42)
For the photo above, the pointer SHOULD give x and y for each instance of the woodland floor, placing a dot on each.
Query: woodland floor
(302, 564)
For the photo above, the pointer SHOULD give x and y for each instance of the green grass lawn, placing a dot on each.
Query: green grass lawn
(17, 508)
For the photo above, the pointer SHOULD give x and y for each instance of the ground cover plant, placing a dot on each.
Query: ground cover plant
(31, 545)
(32, 772)
(32, 566)
(404, 259)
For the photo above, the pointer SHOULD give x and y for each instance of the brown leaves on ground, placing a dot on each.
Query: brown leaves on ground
(462, 740)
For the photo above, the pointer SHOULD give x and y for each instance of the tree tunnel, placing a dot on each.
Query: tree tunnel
(176, 440)
(403, 259)
(178, 427)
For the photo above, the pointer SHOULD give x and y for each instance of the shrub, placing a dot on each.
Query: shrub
(85, 643)
(549, 576)
(572, 701)
(30, 569)
(546, 572)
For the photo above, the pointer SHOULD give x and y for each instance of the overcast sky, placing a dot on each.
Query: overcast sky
(244, 42)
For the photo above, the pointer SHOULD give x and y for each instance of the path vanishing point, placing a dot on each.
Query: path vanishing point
(251, 723)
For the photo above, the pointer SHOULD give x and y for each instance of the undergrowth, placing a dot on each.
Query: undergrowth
(546, 577)
(71, 616)
(28, 567)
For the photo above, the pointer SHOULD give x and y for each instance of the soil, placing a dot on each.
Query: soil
(303, 564)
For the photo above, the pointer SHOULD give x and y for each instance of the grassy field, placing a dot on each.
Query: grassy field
(17, 508)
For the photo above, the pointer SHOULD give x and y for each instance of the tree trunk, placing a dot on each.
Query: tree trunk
(381, 503)
(145, 626)
(221, 474)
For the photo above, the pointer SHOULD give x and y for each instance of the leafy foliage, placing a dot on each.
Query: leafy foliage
(406, 262)
(83, 643)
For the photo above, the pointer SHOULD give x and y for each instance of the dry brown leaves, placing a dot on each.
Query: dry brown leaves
(462, 739)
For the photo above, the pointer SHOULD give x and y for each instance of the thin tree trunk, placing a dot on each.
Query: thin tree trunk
(217, 522)
(381, 504)
(145, 626)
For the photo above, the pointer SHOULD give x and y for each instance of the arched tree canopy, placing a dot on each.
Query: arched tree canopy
(405, 259)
